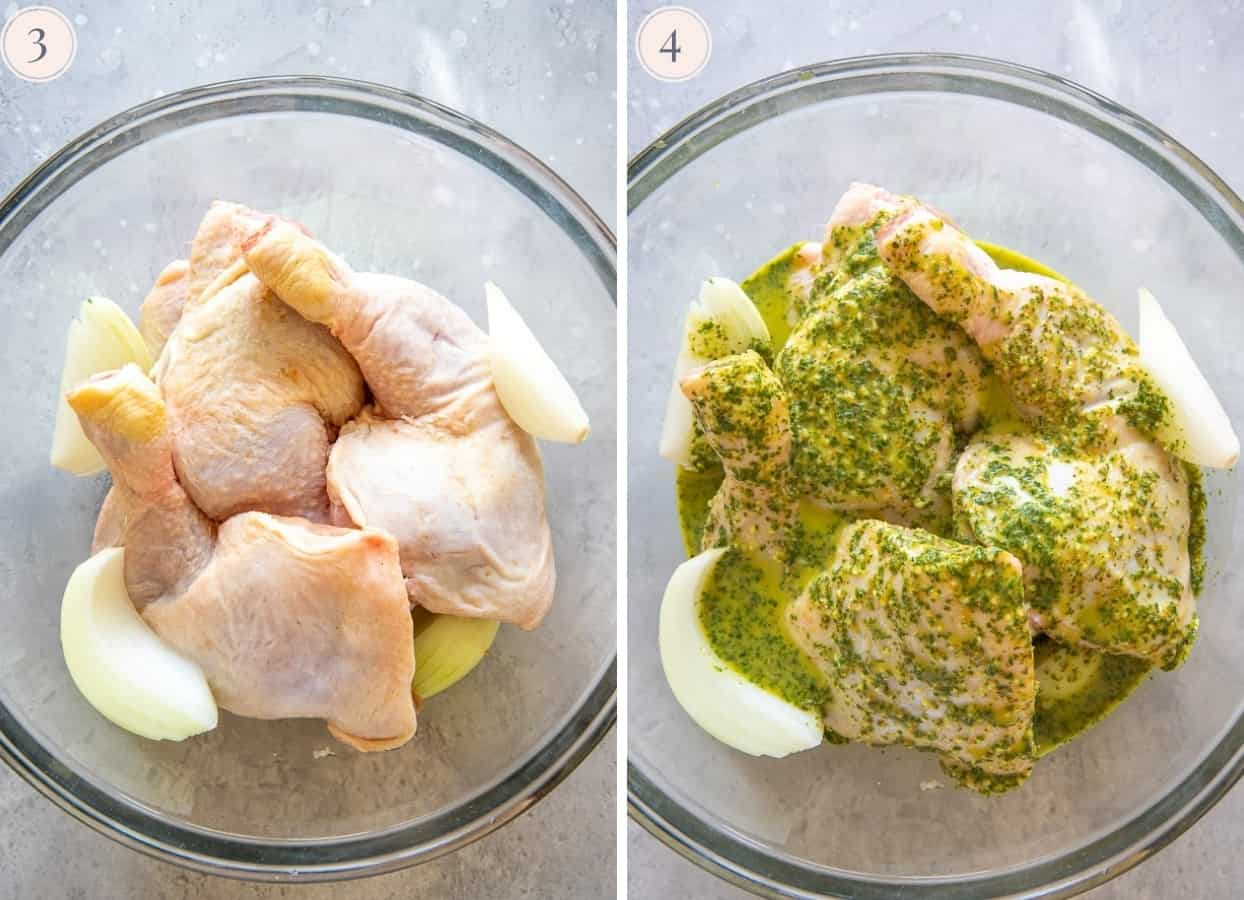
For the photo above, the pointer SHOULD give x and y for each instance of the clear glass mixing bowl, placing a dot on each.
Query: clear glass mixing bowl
(1035, 163)
(396, 184)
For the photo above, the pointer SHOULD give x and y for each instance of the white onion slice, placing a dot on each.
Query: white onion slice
(1198, 430)
(120, 665)
(739, 325)
(720, 700)
(101, 339)
(531, 387)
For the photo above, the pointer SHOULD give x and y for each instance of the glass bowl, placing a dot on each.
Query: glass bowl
(396, 184)
(1035, 163)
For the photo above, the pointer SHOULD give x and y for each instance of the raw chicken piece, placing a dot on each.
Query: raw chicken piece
(420, 354)
(110, 523)
(1060, 353)
(878, 384)
(167, 538)
(468, 518)
(1103, 536)
(255, 392)
(285, 617)
(925, 642)
(426, 362)
(217, 246)
(296, 620)
(162, 307)
(742, 411)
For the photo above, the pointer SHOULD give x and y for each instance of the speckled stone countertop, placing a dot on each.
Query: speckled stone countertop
(543, 75)
(1175, 62)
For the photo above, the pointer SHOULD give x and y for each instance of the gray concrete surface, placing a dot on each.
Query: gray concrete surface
(542, 74)
(1176, 62)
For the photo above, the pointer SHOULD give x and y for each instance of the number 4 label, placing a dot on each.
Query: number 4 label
(671, 46)
(673, 43)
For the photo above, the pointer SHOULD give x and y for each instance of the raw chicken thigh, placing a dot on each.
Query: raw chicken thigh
(255, 392)
(468, 519)
(925, 642)
(427, 365)
(291, 619)
(285, 617)
(162, 307)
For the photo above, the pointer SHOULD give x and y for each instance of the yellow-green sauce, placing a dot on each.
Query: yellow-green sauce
(1077, 688)
(743, 606)
(767, 289)
(1009, 259)
(695, 490)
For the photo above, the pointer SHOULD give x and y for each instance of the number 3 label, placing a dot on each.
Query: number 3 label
(38, 43)
(673, 43)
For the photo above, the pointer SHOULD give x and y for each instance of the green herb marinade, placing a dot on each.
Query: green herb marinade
(742, 609)
(767, 288)
(1196, 530)
(1078, 688)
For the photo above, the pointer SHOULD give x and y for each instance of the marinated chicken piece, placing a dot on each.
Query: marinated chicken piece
(1097, 511)
(285, 617)
(161, 309)
(925, 642)
(742, 411)
(427, 363)
(255, 393)
(1103, 536)
(879, 386)
(805, 265)
(469, 520)
(1060, 353)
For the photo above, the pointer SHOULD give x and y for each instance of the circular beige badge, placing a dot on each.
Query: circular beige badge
(38, 43)
(673, 43)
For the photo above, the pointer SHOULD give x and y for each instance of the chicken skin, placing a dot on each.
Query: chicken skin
(469, 522)
(427, 364)
(925, 642)
(162, 307)
(255, 393)
(216, 250)
(286, 618)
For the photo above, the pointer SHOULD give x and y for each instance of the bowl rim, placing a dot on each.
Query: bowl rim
(745, 864)
(571, 739)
